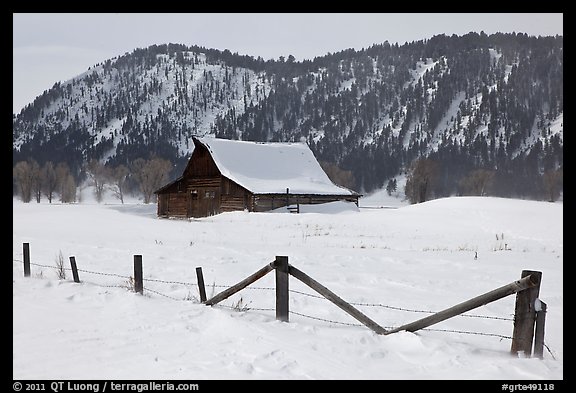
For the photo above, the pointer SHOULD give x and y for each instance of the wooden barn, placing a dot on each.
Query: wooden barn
(225, 175)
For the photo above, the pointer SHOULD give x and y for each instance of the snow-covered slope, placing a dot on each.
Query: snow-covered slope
(188, 92)
(485, 102)
(396, 265)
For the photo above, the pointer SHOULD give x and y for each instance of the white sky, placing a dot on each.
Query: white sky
(48, 48)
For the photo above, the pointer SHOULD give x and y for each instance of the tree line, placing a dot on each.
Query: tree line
(424, 182)
(144, 176)
(484, 102)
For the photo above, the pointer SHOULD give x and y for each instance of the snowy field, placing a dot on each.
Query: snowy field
(396, 264)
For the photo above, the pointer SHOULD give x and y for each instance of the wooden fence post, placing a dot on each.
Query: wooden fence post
(281, 266)
(74, 269)
(539, 332)
(138, 276)
(525, 316)
(201, 288)
(26, 259)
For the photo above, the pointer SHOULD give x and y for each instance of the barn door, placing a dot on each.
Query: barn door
(204, 202)
(192, 204)
(211, 201)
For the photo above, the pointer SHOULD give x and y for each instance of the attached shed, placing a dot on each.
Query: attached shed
(224, 175)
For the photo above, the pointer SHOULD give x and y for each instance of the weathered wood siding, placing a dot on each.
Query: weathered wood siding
(202, 179)
(234, 197)
(172, 205)
(201, 165)
(172, 201)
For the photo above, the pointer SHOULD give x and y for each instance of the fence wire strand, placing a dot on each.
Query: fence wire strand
(170, 282)
(325, 320)
(364, 304)
(162, 294)
(243, 308)
(248, 308)
(468, 332)
(401, 308)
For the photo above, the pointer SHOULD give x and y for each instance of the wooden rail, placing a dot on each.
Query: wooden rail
(241, 285)
(328, 294)
(499, 293)
(529, 316)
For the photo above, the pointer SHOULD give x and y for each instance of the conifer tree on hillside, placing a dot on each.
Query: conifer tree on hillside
(468, 102)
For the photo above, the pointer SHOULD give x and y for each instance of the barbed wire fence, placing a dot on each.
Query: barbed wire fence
(247, 307)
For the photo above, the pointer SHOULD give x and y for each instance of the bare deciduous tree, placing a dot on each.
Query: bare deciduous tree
(49, 181)
(151, 175)
(99, 175)
(478, 182)
(22, 173)
(117, 179)
(553, 180)
(421, 177)
(338, 175)
(66, 183)
(36, 180)
(69, 189)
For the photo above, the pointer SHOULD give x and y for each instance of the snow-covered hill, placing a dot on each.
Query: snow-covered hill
(476, 101)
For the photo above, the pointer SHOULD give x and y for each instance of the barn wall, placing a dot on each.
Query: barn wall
(203, 182)
(266, 202)
(172, 200)
(204, 194)
(201, 164)
(234, 197)
(176, 204)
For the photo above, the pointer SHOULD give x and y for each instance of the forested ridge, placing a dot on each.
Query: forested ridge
(467, 105)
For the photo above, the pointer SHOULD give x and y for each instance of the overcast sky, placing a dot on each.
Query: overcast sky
(48, 48)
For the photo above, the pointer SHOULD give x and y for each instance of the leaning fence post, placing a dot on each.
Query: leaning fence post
(539, 331)
(525, 316)
(201, 288)
(26, 259)
(138, 285)
(74, 269)
(281, 267)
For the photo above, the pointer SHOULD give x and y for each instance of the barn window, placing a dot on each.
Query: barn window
(210, 195)
(194, 194)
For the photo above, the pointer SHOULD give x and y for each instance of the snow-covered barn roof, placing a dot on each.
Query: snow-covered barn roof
(271, 168)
